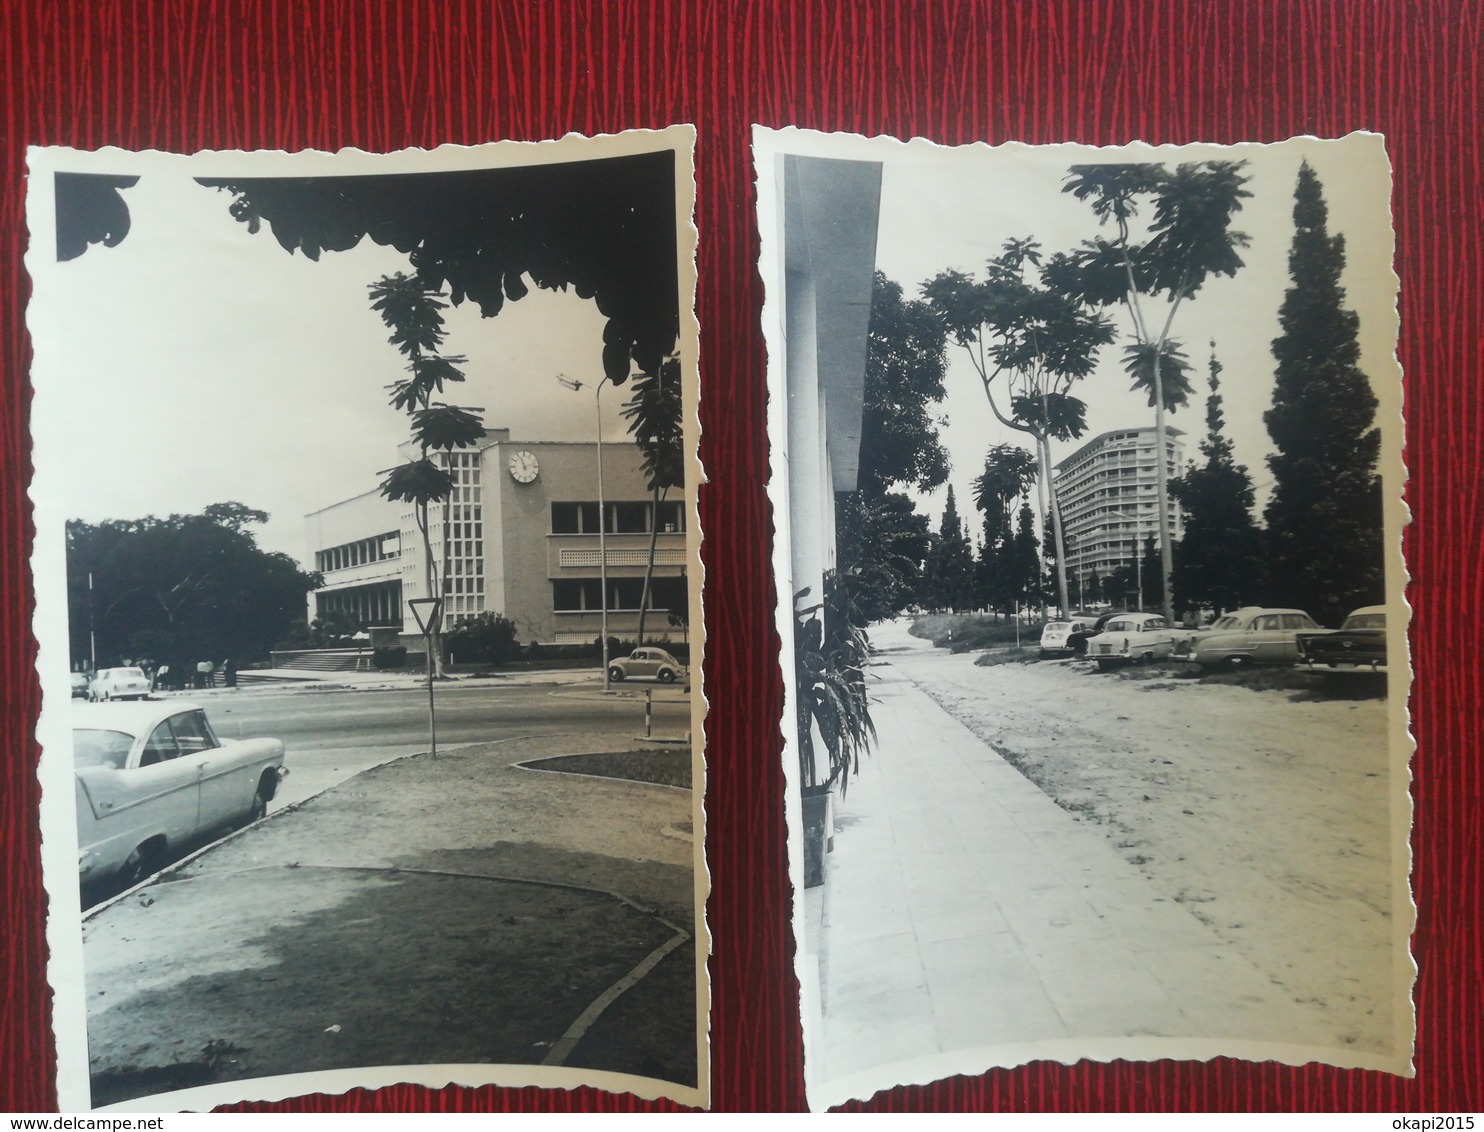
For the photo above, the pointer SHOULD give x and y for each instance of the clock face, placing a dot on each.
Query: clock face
(523, 467)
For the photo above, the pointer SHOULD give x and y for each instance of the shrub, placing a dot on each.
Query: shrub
(389, 657)
(485, 638)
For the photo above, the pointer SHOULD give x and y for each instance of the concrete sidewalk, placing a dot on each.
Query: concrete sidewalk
(964, 910)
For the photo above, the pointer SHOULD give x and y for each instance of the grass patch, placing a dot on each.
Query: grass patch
(1007, 656)
(1304, 685)
(663, 767)
(964, 632)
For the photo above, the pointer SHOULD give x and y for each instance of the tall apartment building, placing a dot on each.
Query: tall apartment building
(519, 535)
(1109, 504)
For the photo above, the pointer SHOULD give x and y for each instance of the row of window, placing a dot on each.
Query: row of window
(573, 595)
(377, 548)
(620, 517)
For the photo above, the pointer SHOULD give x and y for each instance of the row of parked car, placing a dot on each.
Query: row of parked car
(1252, 635)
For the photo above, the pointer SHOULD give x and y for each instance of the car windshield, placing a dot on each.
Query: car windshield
(92, 747)
(1230, 621)
(1366, 621)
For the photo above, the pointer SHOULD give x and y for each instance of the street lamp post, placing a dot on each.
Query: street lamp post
(429, 612)
(575, 385)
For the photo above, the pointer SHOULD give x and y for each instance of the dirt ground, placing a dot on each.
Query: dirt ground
(450, 911)
(1266, 814)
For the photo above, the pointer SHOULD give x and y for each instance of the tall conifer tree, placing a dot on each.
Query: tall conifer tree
(1219, 561)
(949, 579)
(1324, 519)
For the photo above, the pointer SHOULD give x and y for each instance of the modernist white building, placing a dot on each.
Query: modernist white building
(519, 535)
(1109, 498)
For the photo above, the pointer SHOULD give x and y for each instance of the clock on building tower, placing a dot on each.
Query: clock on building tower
(523, 467)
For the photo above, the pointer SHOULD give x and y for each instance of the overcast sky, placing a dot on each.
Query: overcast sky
(200, 363)
(947, 208)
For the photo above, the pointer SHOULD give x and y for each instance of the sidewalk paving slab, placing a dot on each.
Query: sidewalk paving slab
(965, 910)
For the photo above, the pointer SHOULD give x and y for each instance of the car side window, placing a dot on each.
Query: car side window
(1262, 623)
(192, 735)
(160, 746)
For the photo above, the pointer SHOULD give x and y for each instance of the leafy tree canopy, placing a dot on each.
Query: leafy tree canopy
(903, 386)
(605, 228)
(181, 588)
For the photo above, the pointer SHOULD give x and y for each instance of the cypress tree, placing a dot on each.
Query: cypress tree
(950, 564)
(1324, 519)
(1219, 562)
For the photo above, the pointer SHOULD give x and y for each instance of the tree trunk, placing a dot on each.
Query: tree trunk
(654, 534)
(1047, 488)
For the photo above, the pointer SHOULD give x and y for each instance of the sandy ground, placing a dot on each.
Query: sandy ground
(1266, 817)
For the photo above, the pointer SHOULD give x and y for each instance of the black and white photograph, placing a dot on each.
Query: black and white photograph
(368, 605)
(1087, 483)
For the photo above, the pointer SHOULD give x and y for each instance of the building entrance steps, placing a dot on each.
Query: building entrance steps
(965, 910)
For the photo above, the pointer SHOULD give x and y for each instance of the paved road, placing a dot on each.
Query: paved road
(332, 735)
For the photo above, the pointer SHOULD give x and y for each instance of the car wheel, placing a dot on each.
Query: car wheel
(615, 674)
(105, 695)
(1145, 658)
(1233, 663)
(1107, 665)
(259, 809)
(666, 676)
(145, 860)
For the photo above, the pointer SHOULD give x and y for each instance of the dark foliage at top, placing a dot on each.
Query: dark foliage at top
(605, 228)
(90, 210)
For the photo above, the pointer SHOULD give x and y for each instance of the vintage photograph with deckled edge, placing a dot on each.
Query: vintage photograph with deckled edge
(368, 603)
(1090, 754)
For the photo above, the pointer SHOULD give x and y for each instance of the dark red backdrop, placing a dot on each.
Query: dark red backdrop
(190, 74)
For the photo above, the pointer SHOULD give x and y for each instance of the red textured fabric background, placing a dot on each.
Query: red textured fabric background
(190, 74)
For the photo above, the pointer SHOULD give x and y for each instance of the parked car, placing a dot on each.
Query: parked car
(1252, 635)
(1065, 638)
(80, 685)
(118, 684)
(646, 662)
(152, 777)
(1134, 638)
(1359, 645)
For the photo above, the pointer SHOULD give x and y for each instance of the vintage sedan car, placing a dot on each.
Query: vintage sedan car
(649, 662)
(1064, 638)
(118, 684)
(1252, 635)
(1359, 645)
(154, 777)
(1134, 638)
(79, 685)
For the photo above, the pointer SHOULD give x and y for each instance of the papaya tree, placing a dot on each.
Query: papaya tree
(1187, 241)
(1029, 342)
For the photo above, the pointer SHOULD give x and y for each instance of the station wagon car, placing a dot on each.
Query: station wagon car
(1252, 635)
(1134, 638)
(152, 777)
(647, 661)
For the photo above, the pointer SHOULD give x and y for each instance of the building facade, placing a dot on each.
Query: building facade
(519, 535)
(1109, 499)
